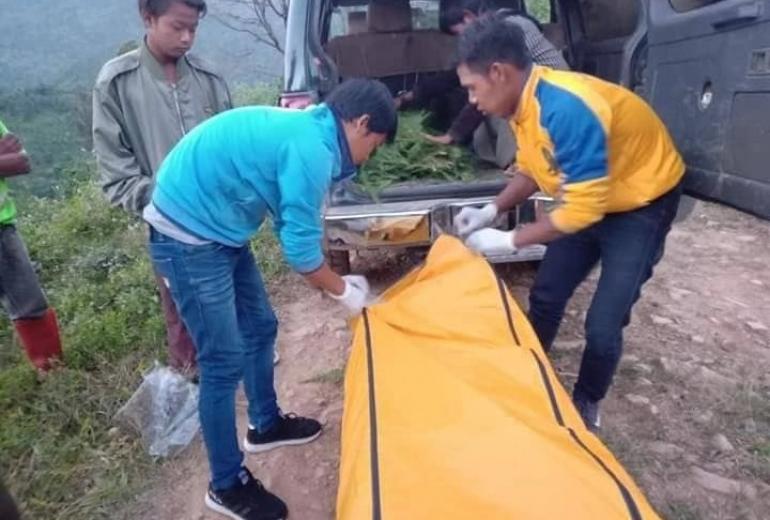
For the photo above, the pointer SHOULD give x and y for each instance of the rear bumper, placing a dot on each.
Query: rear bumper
(396, 225)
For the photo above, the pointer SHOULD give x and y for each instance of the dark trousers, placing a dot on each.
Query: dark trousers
(20, 292)
(181, 350)
(8, 510)
(627, 245)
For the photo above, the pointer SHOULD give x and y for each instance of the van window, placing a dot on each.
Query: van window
(424, 14)
(539, 9)
(354, 19)
(688, 5)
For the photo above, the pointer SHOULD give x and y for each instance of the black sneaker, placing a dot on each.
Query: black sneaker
(248, 500)
(290, 430)
(589, 411)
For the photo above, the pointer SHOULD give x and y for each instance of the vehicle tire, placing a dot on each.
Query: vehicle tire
(339, 261)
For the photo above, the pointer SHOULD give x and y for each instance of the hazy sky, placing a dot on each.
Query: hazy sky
(64, 42)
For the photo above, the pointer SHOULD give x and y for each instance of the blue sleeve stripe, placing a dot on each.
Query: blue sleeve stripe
(579, 139)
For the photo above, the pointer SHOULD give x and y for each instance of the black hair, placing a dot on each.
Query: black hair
(452, 12)
(159, 7)
(357, 97)
(491, 39)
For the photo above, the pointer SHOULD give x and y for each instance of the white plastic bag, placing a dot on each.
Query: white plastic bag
(163, 410)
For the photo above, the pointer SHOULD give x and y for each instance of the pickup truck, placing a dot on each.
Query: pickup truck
(703, 65)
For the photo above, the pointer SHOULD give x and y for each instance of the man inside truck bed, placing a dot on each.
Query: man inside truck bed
(610, 163)
(490, 137)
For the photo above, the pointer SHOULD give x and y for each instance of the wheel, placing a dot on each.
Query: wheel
(339, 261)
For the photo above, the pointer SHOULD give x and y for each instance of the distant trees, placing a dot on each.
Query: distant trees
(263, 20)
(127, 46)
(54, 124)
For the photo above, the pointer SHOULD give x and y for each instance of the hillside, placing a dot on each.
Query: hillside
(64, 42)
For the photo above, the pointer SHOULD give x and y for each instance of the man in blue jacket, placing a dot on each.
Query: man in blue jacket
(213, 191)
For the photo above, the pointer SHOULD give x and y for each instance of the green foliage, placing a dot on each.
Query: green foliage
(54, 443)
(412, 157)
(762, 449)
(681, 511)
(97, 274)
(59, 453)
(127, 46)
(259, 94)
(540, 9)
(55, 127)
(267, 252)
(335, 376)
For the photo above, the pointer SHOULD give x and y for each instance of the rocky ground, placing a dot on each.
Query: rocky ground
(689, 414)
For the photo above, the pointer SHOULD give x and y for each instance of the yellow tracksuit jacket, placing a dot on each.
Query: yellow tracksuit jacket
(595, 146)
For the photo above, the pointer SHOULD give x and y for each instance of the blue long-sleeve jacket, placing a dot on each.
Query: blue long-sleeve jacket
(221, 179)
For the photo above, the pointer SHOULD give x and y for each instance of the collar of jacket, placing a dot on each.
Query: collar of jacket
(527, 97)
(348, 168)
(149, 61)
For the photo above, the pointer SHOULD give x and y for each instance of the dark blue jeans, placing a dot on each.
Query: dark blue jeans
(222, 300)
(20, 292)
(628, 245)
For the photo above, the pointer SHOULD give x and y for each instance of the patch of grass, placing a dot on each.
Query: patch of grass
(260, 94)
(747, 404)
(681, 511)
(267, 253)
(334, 376)
(744, 414)
(56, 452)
(759, 463)
(627, 448)
(761, 449)
(97, 274)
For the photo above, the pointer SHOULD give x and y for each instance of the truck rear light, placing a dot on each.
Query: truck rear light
(296, 99)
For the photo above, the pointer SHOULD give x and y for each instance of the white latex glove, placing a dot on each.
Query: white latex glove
(356, 295)
(492, 242)
(470, 219)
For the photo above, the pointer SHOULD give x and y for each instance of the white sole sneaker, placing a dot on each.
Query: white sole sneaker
(259, 448)
(223, 510)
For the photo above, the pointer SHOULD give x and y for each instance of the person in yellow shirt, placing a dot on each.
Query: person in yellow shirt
(609, 162)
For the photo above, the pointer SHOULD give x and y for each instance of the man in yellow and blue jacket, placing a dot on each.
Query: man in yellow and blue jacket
(610, 163)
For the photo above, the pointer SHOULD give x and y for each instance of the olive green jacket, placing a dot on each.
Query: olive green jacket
(138, 116)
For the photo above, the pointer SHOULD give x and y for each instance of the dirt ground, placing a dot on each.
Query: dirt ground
(689, 414)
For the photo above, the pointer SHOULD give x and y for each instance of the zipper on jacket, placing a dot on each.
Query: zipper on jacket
(178, 109)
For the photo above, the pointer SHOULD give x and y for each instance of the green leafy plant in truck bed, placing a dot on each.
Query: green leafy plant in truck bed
(413, 158)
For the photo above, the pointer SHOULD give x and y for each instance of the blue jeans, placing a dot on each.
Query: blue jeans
(222, 300)
(628, 245)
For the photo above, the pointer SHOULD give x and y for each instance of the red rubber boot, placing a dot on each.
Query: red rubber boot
(40, 337)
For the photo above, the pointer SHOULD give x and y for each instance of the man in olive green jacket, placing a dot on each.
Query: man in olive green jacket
(144, 101)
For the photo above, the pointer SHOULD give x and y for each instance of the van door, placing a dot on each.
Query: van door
(603, 36)
(708, 77)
